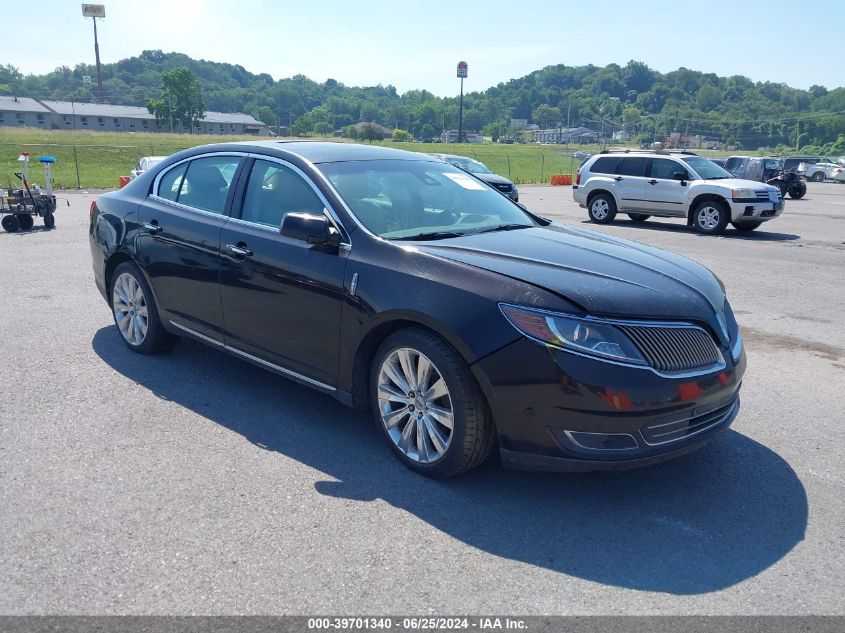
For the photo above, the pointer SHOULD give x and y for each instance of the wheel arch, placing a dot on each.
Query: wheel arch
(598, 191)
(379, 331)
(705, 197)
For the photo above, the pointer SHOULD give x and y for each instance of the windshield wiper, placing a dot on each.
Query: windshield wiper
(431, 235)
(505, 227)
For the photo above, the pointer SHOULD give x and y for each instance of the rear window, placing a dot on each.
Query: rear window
(633, 166)
(605, 165)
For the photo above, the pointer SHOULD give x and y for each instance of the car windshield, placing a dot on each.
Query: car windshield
(706, 168)
(470, 165)
(408, 199)
(771, 163)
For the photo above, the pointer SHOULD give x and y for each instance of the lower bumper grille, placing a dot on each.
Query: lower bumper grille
(662, 432)
(504, 188)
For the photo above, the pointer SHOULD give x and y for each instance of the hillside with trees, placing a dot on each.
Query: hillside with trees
(634, 97)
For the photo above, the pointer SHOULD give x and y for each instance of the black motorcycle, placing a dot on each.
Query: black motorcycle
(790, 182)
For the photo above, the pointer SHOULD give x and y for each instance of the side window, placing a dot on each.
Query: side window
(274, 190)
(633, 166)
(168, 186)
(207, 181)
(665, 168)
(605, 165)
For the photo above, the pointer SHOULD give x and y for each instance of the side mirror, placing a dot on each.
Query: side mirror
(310, 228)
(679, 175)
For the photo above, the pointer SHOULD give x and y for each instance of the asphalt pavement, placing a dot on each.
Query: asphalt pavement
(193, 483)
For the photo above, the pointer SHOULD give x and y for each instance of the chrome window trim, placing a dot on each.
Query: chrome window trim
(630, 323)
(179, 205)
(261, 361)
(327, 208)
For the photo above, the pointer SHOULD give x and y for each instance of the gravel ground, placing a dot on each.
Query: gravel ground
(193, 483)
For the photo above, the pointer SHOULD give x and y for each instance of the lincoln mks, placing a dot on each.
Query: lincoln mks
(397, 282)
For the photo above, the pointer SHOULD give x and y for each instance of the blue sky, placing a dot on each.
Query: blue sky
(416, 44)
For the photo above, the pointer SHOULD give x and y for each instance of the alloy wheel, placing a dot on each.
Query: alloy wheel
(708, 218)
(415, 406)
(600, 209)
(130, 309)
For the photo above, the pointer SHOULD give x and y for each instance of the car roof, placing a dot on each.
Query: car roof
(320, 151)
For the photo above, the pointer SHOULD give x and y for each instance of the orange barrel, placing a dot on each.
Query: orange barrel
(566, 179)
(555, 180)
(122, 181)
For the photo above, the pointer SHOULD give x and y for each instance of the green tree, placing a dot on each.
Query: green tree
(369, 132)
(180, 98)
(427, 132)
(323, 128)
(266, 115)
(545, 115)
(401, 135)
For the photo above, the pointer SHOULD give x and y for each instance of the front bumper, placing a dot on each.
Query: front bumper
(756, 210)
(558, 411)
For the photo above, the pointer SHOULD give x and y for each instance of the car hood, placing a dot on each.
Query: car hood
(493, 179)
(739, 183)
(602, 274)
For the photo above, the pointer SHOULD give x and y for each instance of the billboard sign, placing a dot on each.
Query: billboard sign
(462, 70)
(94, 10)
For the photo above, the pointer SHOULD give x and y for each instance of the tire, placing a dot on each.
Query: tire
(710, 217)
(400, 404)
(10, 223)
(125, 285)
(818, 176)
(745, 227)
(638, 217)
(602, 209)
(49, 220)
(798, 191)
(25, 221)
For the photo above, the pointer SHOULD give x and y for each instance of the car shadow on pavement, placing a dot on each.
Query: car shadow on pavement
(759, 235)
(697, 524)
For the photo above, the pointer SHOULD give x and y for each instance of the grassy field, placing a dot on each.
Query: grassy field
(89, 159)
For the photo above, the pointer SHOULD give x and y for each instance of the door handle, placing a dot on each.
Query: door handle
(618, 178)
(652, 182)
(239, 250)
(152, 227)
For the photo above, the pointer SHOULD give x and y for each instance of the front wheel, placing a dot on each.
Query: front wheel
(746, 226)
(638, 217)
(798, 191)
(710, 217)
(602, 209)
(135, 313)
(428, 405)
(25, 220)
(49, 220)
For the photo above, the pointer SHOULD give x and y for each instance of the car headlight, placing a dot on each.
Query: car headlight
(743, 194)
(581, 335)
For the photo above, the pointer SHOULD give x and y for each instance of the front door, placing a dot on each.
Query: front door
(665, 194)
(179, 241)
(282, 298)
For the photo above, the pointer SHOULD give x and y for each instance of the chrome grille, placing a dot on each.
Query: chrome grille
(674, 349)
(662, 431)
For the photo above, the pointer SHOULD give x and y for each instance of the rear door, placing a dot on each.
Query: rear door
(631, 183)
(665, 194)
(282, 297)
(179, 241)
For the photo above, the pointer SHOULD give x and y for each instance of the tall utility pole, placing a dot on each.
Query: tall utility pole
(95, 11)
(462, 74)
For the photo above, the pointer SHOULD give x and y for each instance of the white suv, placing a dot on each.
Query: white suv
(672, 185)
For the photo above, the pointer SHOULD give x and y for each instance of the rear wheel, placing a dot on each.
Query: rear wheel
(25, 220)
(818, 176)
(10, 223)
(710, 217)
(602, 209)
(798, 191)
(428, 405)
(135, 313)
(638, 217)
(746, 226)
